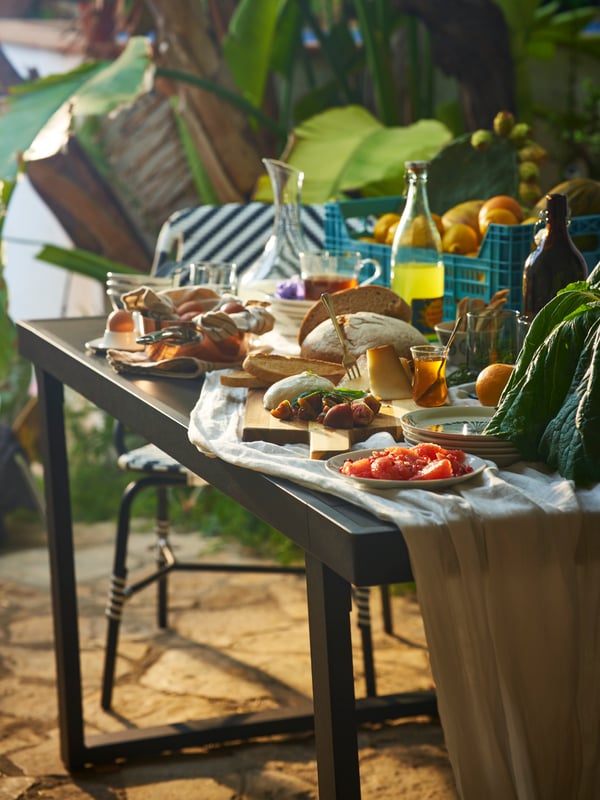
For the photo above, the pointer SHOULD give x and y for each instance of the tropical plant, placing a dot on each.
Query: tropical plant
(238, 96)
(15, 372)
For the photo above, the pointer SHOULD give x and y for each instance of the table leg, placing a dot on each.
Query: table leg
(329, 605)
(62, 571)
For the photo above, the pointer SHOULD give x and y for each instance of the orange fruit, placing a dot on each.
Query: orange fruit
(502, 201)
(460, 238)
(498, 216)
(491, 381)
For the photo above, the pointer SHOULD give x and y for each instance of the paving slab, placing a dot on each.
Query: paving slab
(236, 642)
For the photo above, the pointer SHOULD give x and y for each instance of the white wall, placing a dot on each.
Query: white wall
(37, 290)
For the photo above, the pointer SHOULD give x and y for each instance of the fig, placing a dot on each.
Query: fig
(305, 411)
(362, 414)
(339, 416)
(373, 402)
(311, 402)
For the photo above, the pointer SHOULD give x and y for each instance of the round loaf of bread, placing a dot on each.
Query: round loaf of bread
(375, 298)
(362, 330)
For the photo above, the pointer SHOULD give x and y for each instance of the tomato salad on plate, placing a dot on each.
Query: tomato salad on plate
(423, 462)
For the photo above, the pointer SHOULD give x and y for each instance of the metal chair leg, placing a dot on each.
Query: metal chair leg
(162, 536)
(118, 590)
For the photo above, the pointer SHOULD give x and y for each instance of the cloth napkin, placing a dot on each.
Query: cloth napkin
(254, 320)
(507, 568)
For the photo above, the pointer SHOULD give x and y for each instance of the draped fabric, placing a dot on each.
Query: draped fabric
(507, 568)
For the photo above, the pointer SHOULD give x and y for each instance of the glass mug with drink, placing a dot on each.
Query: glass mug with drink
(429, 387)
(328, 271)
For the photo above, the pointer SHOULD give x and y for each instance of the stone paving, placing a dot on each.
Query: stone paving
(235, 643)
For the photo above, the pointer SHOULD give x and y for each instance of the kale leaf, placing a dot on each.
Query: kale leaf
(528, 406)
(571, 441)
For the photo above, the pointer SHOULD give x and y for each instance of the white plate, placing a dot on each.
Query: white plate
(334, 465)
(470, 443)
(459, 421)
(296, 307)
(99, 346)
(137, 279)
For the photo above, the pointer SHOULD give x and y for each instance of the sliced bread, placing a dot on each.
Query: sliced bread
(271, 367)
(240, 379)
(374, 298)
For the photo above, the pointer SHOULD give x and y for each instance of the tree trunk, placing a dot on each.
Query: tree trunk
(227, 145)
(470, 42)
(87, 207)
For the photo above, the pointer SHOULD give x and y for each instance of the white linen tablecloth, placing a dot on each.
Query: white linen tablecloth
(507, 568)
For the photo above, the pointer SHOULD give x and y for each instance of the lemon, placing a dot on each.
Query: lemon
(382, 225)
(460, 239)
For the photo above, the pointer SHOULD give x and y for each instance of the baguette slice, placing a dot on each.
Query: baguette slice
(271, 367)
(348, 301)
(240, 379)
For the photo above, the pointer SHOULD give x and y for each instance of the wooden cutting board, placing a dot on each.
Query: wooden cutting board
(260, 425)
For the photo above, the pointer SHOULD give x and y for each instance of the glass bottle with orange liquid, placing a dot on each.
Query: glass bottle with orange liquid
(416, 260)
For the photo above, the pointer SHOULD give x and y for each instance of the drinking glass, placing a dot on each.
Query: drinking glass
(220, 276)
(327, 271)
(429, 387)
(491, 338)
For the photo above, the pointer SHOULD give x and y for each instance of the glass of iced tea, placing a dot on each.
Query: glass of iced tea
(429, 387)
(329, 271)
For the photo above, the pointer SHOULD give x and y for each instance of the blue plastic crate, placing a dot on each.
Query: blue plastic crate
(498, 265)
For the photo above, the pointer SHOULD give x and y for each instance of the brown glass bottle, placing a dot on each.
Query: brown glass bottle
(555, 262)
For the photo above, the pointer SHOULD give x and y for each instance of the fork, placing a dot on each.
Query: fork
(348, 360)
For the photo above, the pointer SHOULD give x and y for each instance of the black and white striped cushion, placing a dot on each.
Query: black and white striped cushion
(149, 458)
(230, 232)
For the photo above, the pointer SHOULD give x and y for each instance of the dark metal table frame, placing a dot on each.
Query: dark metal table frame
(343, 545)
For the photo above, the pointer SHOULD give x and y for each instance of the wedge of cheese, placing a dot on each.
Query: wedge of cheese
(387, 377)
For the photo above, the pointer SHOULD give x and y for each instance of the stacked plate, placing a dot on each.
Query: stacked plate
(459, 427)
(118, 284)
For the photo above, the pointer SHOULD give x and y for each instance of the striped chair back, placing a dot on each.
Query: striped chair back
(230, 232)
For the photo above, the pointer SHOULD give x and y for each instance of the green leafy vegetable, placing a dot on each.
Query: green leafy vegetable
(571, 441)
(550, 408)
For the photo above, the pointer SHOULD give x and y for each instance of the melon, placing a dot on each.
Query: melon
(583, 195)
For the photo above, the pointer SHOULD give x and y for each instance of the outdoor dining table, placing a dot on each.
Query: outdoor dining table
(507, 568)
(343, 546)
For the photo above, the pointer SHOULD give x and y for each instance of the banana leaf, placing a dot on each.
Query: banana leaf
(93, 88)
(347, 150)
(83, 262)
(247, 47)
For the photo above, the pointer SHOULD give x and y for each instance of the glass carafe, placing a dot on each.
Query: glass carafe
(280, 259)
